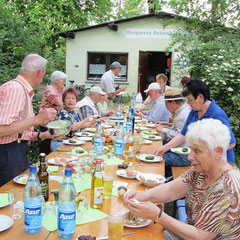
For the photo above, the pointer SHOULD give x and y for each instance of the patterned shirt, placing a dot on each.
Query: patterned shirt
(13, 97)
(72, 116)
(49, 95)
(217, 207)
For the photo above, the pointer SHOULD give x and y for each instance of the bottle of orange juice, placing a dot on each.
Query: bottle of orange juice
(97, 186)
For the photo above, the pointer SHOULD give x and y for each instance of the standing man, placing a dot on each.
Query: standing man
(17, 118)
(107, 80)
(158, 111)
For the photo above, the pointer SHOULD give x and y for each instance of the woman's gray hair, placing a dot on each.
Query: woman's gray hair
(33, 63)
(57, 75)
(213, 132)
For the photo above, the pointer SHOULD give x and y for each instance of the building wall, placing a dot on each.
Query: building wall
(103, 39)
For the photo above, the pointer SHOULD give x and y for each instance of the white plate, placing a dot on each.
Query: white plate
(90, 130)
(106, 126)
(157, 178)
(142, 157)
(86, 139)
(19, 179)
(179, 151)
(84, 134)
(78, 142)
(144, 224)
(152, 137)
(138, 120)
(147, 142)
(52, 160)
(151, 125)
(121, 93)
(123, 173)
(117, 118)
(5, 222)
(149, 132)
(143, 129)
(137, 117)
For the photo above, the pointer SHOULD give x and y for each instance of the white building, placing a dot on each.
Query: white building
(138, 43)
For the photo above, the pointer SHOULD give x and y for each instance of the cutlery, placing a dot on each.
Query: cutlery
(124, 234)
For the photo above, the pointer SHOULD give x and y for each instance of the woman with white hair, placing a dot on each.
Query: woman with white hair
(52, 98)
(211, 188)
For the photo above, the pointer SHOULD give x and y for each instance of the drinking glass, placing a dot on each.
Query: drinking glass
(107, 186)
(115, 227)
(81, 204)
(110, 147)
(125, 155)
(15, 199)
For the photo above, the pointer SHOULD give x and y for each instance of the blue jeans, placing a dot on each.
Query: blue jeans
(55, 145)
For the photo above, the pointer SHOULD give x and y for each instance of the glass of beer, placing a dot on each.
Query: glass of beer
(107, 186)
(115, 227)
(125, 155)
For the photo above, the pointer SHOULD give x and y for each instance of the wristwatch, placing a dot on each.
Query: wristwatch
(157, 220)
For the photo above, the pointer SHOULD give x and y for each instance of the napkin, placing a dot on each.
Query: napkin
(110, 161)
(3, 199)
(79, 154)
(49, 220)
(52, 169)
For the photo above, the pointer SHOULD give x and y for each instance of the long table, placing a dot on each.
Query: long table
(113, 205)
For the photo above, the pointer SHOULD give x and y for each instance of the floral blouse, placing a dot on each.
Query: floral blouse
(215, 208)
(72, 116)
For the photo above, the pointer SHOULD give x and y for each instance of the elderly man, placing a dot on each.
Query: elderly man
(88, 105)
(158, 111)
(107, 80)
(17, 118)
(175, 104)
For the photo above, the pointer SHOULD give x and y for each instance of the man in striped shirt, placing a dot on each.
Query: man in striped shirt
(17, 118)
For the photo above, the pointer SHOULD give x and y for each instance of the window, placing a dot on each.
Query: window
(99, 63)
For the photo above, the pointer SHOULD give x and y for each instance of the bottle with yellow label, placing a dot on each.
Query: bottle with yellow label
(97, 187)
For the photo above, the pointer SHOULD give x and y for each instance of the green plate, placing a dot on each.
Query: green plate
(178, 150)
(142, 157)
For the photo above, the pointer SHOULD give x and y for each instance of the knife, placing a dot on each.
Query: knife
(124, 234)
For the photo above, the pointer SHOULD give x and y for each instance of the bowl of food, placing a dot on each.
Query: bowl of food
(150, 180)
(59, 127)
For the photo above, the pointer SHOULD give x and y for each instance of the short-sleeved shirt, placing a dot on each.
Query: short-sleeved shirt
(215, 112)
(215, 208)
(158, 111)
(14, 96)
(50, 94)
(72, 116)
(107, 82)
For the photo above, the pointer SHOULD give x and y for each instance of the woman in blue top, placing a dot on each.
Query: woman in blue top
(198, 97)
(70, 98)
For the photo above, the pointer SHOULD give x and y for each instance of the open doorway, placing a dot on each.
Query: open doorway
(151, 64)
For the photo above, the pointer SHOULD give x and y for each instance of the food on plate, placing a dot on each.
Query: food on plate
(123, 165)
(108, 139)
(121, 191)
(57, 159)
(130, 219)
(72, 141)
(87, 237)
(151, 137)
(23, 180)
(150, 157)
(70, 165)
(84, 134)
(184, 149)
(129, 172)
(79, 151)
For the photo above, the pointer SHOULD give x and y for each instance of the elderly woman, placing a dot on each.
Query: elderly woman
(52, 98)
(198, 97)
(69, 98)
(161, 79)
(211, 188)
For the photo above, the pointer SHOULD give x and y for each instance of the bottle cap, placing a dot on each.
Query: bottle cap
(121, 123)
(33, 169)
(42, 155)
(99, 122)
(98, 161)
(68, 172)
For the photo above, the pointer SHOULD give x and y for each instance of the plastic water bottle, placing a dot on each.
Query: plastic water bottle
(139, 98)
(67, 207)
(119, 141)
(98, 140)
(119, 112)
(33, 203)
(129, 123)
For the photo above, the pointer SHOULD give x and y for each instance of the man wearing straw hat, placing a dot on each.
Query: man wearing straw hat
(175, 103)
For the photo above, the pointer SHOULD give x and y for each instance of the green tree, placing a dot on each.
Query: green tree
(211, 51)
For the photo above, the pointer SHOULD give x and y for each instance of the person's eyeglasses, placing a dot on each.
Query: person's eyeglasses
(190, 99)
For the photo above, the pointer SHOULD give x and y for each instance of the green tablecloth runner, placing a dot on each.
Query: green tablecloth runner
(79, 154)
(110, 161)
(49, 220)
(82, 183)
(3, 199)
(51, 169)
